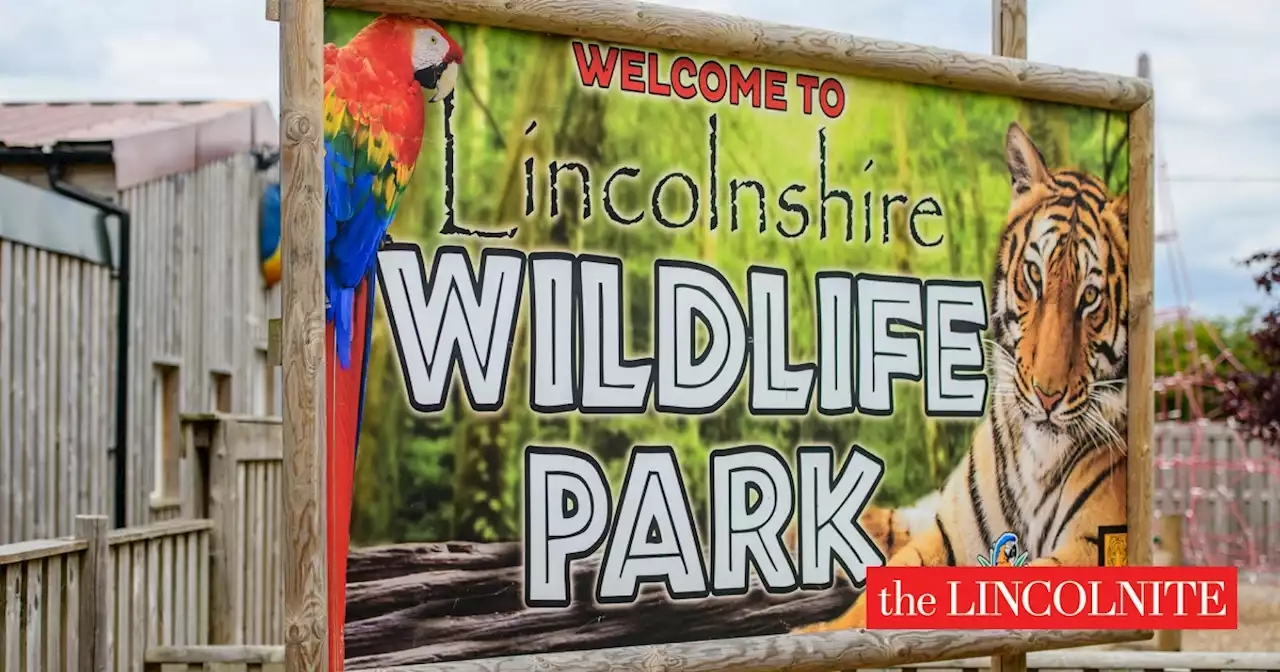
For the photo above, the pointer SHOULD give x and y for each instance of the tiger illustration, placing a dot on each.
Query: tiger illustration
(1048, 462)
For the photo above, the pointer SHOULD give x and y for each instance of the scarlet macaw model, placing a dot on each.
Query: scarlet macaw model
(373, 120)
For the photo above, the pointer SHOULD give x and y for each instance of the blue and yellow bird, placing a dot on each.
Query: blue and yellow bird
(269, 234)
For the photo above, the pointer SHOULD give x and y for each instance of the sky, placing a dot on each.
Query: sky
(1216, 73)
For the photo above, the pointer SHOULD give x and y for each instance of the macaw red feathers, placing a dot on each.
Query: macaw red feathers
(373, 76)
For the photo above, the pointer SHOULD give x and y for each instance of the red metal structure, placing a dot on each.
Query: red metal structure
(1227, 486)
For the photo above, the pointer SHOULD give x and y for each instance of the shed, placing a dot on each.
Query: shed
(182, 182)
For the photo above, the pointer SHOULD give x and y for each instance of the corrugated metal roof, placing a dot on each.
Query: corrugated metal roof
(150, 139)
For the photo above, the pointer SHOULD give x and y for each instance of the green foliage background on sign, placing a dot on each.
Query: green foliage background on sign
(456, 475)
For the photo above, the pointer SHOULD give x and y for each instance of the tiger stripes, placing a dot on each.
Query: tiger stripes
(1049, 460)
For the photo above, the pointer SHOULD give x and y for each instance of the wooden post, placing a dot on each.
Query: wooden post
(225, 575)
(1142, 343)
(1009, 28)
(306, 627)
(94, 597)
(1171, 545)
(1009, 38)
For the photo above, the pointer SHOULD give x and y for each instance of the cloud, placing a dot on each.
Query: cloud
(131, 49)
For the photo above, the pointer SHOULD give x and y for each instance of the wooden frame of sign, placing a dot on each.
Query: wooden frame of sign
(658, 26)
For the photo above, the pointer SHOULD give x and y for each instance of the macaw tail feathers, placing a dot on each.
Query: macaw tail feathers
(340, 315)
(344, 399)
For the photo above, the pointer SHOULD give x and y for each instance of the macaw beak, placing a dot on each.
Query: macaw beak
(445, 82)
(441, 78)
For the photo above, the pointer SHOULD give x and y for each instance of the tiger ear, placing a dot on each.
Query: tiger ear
(1026, 164)
(1120, 206)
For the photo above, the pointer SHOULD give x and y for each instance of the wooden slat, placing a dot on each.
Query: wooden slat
(71, 614)
(54, 639)
(168, 605)
(123, 597)
(34, 626)
(190, 595)
(138, 597)
(154, 591)
(18, 386)
(12, 617)
(161, 530)
(188, 655)
(8, 450)
(255, 554)
(42, 548)
(202, 611)
(37, 466)
(65, 396)
(275, 592)
(90, 412)
(96, 462)
(52, 502)
(178, 582)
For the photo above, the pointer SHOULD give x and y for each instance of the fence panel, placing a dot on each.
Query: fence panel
(245, 476)
(41, 584)
(159, 576)
(1227, 487)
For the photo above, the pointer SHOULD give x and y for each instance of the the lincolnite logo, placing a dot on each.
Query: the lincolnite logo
(1006, 549)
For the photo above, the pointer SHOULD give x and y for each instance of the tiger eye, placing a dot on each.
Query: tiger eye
(1090, 295)
(1034, 272)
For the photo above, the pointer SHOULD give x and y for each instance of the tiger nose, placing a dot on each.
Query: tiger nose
(1047, 400)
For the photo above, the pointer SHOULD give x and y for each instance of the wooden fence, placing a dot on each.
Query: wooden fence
(137, 598)
(1228, 488)
(159, 588)
(98, 600)
(244, 470)
(56, 390)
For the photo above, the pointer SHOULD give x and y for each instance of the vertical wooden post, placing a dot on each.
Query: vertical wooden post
(1009, 38)
(1142, 344)
(225, 569)
(94, 596)
(1171, 545)
(1009, 28)
(306, 626)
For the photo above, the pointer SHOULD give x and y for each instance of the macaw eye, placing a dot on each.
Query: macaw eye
(434, 39)
(1033, 273)
(1091, 294)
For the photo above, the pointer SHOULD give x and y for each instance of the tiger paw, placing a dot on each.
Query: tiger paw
(811, 628)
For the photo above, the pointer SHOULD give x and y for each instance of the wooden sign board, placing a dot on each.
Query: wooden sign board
(649, 327)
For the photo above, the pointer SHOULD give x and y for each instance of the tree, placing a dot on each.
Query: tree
(1252, 396)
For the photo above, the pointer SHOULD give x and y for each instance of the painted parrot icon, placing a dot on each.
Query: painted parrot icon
(376, 88)
(1006, 545)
